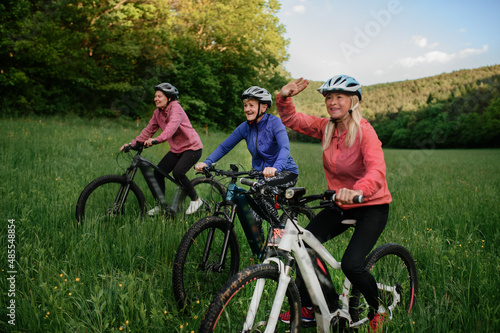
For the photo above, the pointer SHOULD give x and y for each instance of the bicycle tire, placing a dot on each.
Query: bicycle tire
(390, 264)
(193, 281)
(209, 190)
(94, 199)
(304, 215)
(228, 310)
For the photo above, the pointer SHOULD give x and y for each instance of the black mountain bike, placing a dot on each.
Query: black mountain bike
(209, 253)
(111, 196)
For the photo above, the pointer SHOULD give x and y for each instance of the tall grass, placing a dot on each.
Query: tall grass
(117, 277)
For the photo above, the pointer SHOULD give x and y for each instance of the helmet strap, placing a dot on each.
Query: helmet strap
(257, 117)
(336, 121)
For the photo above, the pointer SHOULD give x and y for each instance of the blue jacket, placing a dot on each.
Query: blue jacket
(272, 149)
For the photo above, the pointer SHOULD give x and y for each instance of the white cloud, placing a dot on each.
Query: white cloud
(429, 57)
(438, 56)
(421, 41)
(300, 9)
(468, 52)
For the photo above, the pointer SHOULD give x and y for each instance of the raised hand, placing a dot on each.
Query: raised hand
(293, 88)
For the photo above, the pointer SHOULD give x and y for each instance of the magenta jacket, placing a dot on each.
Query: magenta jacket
(176, 127)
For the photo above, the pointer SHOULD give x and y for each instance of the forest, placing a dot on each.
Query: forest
(102, 58)
(91, 59)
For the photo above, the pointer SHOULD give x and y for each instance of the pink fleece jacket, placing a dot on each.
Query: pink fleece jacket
(360, 167)
(176, 127)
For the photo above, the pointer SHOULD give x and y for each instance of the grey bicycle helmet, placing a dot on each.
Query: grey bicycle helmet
(168, 89)
(260, 94)
(343, 83)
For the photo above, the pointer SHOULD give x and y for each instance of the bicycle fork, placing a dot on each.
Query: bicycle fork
(122, 195)
(283, 282)
(208, 245)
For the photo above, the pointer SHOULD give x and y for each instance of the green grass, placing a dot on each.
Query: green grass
(103, 277)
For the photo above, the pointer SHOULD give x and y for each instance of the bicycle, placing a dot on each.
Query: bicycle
(110, 196)
(252, 300)
(209, 253)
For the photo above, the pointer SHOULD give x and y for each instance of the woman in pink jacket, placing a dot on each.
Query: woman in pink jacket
(185, 143)
(354, 165)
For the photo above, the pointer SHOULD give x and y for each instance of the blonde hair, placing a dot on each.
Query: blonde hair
(353, 128)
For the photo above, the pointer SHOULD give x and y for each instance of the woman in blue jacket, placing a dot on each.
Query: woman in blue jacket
(266, 138)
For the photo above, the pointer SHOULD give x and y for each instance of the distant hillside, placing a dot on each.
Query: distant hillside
(463, 107)
(409, 95)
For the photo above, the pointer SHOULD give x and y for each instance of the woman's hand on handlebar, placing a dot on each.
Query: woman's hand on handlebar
(269, 172)
(149, 142)
(199, 166)
(344, 196)
(125, 147)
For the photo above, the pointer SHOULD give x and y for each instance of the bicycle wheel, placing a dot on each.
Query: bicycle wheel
(304, 215)
(102, 198)
(393, 267)
(229, 309)
(209, 190)
(197, 273)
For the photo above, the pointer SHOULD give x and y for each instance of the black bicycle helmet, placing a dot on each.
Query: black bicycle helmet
(343, 83)
(260, 94)
(168, 89)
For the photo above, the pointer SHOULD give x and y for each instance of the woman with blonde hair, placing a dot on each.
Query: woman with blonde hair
(354, 164)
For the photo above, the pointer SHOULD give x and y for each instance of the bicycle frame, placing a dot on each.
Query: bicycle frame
(146, 169)
(240, 202)
(294, 240)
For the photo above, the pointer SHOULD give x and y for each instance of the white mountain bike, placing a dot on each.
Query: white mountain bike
(254, 298)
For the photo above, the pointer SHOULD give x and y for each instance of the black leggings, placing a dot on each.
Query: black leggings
(371, 221)
(284, 180)
(179, 165)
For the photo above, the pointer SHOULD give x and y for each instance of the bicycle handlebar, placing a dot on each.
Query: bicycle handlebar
(233, 173)
(329, 197)
(139, 146)
(355, 199)
(248, 182)
(262, 187)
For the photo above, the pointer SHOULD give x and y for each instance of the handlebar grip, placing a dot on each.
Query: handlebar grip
(206, 172)
(358, 199)
(248, 182)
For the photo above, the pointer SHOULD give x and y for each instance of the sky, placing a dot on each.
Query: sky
(379, 41)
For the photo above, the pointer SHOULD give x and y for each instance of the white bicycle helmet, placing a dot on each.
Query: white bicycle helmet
(341, 83)
(168, 89)
(260, 94)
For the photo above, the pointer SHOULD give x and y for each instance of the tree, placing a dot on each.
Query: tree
(104, 57)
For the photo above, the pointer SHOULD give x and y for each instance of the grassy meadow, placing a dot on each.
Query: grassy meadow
(116, 277)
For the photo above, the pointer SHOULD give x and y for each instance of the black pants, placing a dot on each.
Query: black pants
(371, 221)
(284, 179)
(179, 165)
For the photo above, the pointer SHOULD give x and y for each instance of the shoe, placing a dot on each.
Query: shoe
(307, 317)
(194, 206)
(276, 237)
(154, 211)
(377, 322)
